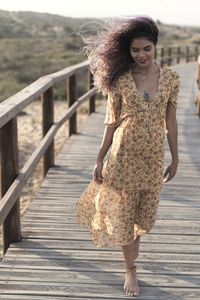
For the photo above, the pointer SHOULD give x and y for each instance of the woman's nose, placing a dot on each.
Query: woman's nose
(141, 54)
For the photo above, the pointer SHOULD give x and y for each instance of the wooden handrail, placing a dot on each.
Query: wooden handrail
(16, 103)
(13, 180)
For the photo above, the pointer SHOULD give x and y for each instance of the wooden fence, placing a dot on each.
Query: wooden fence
(13, 180)
(177, 54)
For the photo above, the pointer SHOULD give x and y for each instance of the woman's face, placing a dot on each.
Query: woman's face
(142, 51)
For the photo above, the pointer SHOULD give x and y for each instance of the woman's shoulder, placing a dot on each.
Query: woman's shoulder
(171, 73)
(123, 79)
(120, 82)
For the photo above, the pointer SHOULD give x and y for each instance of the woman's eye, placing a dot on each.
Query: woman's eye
(137, 50)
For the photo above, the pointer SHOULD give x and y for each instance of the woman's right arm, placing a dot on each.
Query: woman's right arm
(111, 122)
(105, 145)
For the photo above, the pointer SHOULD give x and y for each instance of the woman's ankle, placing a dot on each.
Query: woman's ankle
(130, 267)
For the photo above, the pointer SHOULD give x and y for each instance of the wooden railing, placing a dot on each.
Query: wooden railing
(176, 54)
(13, 180)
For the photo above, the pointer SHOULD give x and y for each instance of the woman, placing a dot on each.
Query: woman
(121, 201)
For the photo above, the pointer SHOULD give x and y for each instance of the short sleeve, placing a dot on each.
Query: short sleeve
(113, 109)
(175, 86)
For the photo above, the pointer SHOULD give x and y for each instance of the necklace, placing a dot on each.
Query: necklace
(144, 75)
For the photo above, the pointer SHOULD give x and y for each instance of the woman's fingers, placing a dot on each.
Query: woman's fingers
(169, 174)
(166, 175)
(97, 176)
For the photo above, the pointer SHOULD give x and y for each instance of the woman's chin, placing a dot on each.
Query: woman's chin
(143, 64)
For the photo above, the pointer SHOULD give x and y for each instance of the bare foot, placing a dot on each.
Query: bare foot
(131, 287)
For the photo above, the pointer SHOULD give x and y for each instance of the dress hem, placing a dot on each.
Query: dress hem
(137, 233)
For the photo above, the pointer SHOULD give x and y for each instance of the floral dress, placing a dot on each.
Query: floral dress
(125, 205)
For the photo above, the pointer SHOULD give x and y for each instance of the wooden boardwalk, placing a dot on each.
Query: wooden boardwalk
(56, 258)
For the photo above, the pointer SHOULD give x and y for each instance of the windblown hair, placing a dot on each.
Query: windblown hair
(108, 50)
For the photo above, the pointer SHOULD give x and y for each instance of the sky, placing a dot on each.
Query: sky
(180, 12)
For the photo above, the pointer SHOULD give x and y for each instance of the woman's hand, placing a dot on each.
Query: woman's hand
(97, 172)
(170, 171)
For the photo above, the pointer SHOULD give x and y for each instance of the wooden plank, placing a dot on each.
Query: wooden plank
(96, 290)
(71, 224)
(149, 247)
(80, 234)
(16, 103)
(165, 267)
(104, 256)
(89, 278)
(146, 240)
(37, 297)
(69, 271)
(47, 122)
(11, 228)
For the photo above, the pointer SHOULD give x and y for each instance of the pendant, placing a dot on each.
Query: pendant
(143, 78)
(146, 96)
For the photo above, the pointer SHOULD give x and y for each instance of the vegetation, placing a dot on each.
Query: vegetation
(35, 44)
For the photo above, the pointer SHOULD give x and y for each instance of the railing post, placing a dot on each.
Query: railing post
(71, 95)
(198, 71)
(92, 99)
(196, 52)
(9, 169)
(162, 53)
(48, 120)
(187, 53)
(169, 56)
(178, 54)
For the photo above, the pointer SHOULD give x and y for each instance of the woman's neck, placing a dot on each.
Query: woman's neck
(143, 70)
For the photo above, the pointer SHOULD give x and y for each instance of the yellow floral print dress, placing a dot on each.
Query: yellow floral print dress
(125, 205)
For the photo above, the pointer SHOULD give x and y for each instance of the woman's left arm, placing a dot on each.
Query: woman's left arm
(172, 138)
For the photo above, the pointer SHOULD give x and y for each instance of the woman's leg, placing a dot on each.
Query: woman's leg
(131, 252)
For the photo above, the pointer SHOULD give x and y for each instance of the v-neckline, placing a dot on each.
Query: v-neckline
(158, 87)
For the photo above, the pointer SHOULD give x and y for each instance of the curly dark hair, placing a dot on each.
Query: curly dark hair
(108, 50)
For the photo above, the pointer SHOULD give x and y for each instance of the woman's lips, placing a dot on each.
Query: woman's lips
(142, 61)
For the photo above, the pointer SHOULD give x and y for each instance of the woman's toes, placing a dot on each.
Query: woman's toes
(131, 287)
(136, 293)
(131, 293)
